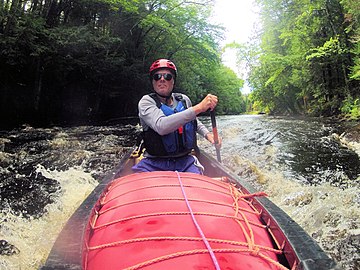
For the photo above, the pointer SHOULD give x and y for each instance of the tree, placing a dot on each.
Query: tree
(304, 57)
(89, 58)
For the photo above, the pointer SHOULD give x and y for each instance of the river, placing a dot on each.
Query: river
(299, 162)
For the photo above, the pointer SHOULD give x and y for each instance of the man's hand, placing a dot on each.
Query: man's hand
(209, 102)
(210, 137)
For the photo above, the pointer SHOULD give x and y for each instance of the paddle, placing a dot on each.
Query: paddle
(216, 136)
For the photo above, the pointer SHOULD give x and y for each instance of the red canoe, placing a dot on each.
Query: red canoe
(170, 220)
(165, 220)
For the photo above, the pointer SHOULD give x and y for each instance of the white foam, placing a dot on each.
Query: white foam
(35, 237)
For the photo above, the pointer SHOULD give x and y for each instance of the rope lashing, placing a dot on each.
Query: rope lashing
(249, 234)
(241, 203)
(211, 252)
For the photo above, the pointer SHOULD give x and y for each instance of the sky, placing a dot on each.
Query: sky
(239, 18)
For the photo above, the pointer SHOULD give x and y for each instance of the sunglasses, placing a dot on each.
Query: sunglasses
(166, 76)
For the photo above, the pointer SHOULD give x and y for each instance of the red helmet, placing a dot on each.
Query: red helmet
(163, 63)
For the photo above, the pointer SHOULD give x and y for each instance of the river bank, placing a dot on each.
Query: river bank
(351, 138)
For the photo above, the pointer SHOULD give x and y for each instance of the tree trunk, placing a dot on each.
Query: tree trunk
(38, 84)
(11, 21)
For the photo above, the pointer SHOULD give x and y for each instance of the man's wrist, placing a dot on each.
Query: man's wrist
(197, 109)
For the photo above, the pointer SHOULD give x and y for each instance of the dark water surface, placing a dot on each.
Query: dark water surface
(46, 173)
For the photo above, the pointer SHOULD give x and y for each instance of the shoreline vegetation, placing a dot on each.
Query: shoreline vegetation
(69, 63)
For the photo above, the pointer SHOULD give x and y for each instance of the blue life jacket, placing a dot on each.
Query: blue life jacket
(178, 143)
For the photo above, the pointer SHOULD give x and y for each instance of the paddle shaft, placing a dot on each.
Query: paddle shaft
(216, 136)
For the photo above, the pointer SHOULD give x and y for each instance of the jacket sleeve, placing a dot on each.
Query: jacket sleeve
(152, 116)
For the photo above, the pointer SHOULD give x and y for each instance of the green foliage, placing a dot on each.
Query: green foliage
(81, 48)
(199, 77)
(89, 58)
(355, 71)
(27, 39)
(96, 53)
(307, 58)
(351, 108)
(331, 48)
(223, 82)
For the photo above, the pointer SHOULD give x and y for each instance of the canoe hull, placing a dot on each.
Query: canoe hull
(148, 221)
(299, 249)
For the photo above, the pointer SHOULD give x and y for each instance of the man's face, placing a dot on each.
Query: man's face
(163, 82)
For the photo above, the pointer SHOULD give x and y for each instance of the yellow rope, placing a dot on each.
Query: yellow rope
(104, 201)
(171, 214)
(179, 238)
(200, 251)
(174, 199)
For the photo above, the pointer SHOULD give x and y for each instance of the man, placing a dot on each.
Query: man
(170, 124)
